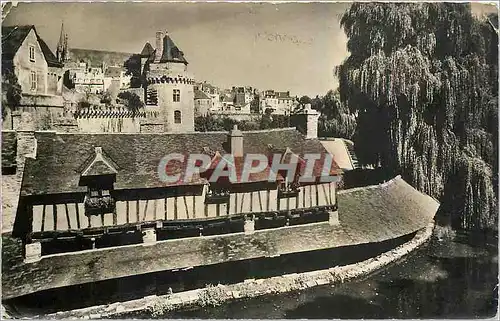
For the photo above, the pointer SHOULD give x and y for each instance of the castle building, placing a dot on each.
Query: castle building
(168, 86)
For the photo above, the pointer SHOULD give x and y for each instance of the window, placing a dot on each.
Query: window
(98, 201)
(32, 53)
(177, 95)
(33, 80)
(96, 192)
(177, 117)
(152, 97)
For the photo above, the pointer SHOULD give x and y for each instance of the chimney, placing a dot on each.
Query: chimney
(306, 122)
(26, 141)
(311, 121)
(159, 45)
(236, 142)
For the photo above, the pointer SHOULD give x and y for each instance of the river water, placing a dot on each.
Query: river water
(443, 279)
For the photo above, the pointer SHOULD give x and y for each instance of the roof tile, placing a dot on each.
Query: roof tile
(61, 156)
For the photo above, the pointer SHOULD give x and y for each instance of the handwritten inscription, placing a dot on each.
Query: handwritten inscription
(276, 37)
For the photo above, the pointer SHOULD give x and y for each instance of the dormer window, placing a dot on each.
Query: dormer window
(97, 192)
(99, 175)
(98, 201)
(32, 53)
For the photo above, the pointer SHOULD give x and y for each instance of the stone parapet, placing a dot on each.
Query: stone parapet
(156, 305)
(114, 113)
(41, 101)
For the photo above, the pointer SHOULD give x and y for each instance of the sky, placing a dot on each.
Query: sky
(286, 46)
(289, 46)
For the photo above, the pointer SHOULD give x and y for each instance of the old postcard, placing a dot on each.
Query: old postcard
(249, 160)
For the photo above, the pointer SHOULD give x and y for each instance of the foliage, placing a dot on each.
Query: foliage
(335, 120)
(212, 296)
(207, 123)
(82, 104)
(132, 101)
(342, 127)
(423, 78)
(305, 100)
(268, 121)
(11, 92)
(98, 205)
(45, 122)
(133, 68)
(106, 98)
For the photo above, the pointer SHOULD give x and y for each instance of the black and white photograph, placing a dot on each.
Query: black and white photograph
(249, 160)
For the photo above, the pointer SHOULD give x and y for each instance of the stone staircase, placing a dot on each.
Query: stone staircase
(350, 149)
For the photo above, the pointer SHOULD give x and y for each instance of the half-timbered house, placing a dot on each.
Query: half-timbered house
(85, 191)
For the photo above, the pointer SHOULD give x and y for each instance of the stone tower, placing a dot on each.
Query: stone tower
(168, 87)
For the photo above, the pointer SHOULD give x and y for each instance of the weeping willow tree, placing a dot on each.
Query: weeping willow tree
(423, 78)
(336, 120)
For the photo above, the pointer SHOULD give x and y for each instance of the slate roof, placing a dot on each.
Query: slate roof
(49, 55)
(198, 94)
(283, 95)
(9, 149)
(171, 53)
(112, 71)
(12, 39)
(61, 156)
(228, 98)
(147, 51)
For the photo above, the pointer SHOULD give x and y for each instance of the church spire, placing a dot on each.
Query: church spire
(62, 53)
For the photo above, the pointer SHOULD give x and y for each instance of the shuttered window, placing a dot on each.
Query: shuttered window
(33, 80)
(177, 117)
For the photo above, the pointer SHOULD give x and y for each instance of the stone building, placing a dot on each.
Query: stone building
(278, 103)
(168, 86)
(38, 72)
(213, 92)
(243, 95)
(202, 103)
(25, 53)
(85, 78)
(116, 74)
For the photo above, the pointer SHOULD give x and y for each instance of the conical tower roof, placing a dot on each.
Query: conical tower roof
(171, 53)
(147, 51)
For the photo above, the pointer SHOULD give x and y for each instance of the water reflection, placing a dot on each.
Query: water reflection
(444, 279)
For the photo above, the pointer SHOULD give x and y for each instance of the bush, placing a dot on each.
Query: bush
(106, 98)
(132, 101)
(11, 92)
(212, 296)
